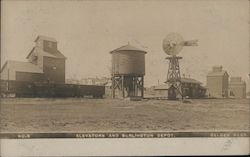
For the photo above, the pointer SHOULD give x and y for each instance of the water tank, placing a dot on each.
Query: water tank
(128, 60)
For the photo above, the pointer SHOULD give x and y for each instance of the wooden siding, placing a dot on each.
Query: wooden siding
(27, 76)
(54, 69)
(39, 89)
(128, 63)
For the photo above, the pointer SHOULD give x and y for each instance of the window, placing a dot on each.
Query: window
(50, 44)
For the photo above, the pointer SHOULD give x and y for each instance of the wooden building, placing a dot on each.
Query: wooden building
(160, 90)
(21, 71)
(45, 64)
(217, 82)
(237, 87)
(191, 88)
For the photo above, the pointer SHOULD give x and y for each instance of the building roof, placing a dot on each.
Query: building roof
(183, 80)
(219, 73)
(128, 47)
(190, 80)
(108, 84)
(45, 38)
(54, 54)
(236, 81)
(22, 66)
(203, 87)
(162, 87)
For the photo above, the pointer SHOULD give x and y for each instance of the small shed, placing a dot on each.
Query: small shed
(161, 90)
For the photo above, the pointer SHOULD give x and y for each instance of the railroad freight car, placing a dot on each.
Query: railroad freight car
(46, 90)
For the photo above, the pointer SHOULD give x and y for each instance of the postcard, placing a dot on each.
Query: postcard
(115, 78)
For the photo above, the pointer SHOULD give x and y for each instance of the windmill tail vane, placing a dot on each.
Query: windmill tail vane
(190, 43)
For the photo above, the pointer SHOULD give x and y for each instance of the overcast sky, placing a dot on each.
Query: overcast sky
(87, 31)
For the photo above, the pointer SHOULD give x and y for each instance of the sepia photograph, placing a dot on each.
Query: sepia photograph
(132, 69)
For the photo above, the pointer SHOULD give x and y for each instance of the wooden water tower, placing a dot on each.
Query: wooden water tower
(128, 70)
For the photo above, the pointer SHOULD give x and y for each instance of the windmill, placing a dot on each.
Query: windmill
(172, 45)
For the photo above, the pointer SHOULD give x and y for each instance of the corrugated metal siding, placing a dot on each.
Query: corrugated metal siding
(218, 86)
(225, 85)
(214, 85)
(237, 90)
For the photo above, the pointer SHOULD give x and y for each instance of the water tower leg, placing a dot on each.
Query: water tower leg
(113, 87)
(142, 88)
(118, 83)
(134, 86)
(123, 94)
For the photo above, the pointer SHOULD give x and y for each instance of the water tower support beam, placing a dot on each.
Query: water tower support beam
(135, 87)
(113, 87)
(117, 83)
(123, 94)
(142, 85)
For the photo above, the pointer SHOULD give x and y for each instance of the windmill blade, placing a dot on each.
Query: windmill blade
(190, 43)
(172, 44)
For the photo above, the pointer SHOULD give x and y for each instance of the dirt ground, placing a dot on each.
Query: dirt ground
(61, 115)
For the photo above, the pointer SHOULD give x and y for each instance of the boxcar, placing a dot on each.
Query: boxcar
(43, 89)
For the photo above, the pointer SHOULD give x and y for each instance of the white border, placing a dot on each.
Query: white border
(121, 147)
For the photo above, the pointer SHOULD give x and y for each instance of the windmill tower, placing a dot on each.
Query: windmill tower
(172, 45)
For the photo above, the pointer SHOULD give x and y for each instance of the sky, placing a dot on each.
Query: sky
(87, 31)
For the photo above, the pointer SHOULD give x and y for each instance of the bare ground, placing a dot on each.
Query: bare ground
(62, 115)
